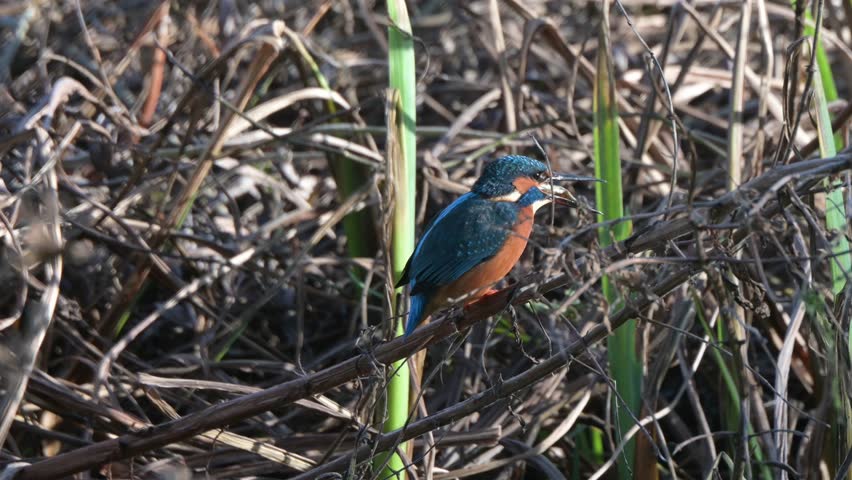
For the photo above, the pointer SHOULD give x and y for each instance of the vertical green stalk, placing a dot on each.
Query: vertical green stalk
(835, 209)
(624, 364)
(841, 264)
(825, 91)
(402, 169)
(402, 78)
(349, 176)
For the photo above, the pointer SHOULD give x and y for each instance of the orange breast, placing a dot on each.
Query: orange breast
(476, 283)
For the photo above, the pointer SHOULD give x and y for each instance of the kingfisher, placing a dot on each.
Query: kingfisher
(476, 241)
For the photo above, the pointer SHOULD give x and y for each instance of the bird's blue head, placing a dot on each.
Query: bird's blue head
(507, 176)
(527, 182)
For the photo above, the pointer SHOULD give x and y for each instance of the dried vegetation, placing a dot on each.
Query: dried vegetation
(178, 299)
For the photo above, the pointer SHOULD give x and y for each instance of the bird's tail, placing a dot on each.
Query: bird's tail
(415, 313)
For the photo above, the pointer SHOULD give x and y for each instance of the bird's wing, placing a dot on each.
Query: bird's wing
(468, 232)
(405, 278)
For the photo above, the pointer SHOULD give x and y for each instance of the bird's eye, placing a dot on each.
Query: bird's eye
(540, 176)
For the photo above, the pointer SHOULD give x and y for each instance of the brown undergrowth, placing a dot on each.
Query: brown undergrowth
(178, 300)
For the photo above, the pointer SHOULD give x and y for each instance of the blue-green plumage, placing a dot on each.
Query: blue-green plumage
(497, 176)
(469, 232)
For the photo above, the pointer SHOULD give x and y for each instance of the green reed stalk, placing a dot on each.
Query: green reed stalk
(625, 367)
(841, 263)
(835, 205)
(402, 171)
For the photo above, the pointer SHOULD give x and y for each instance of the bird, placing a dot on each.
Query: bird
(477, 240)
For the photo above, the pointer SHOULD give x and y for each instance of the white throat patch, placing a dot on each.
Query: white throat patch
(512, 197)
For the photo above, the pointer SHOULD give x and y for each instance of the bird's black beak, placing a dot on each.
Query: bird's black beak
(562, 195)
(564, 177)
